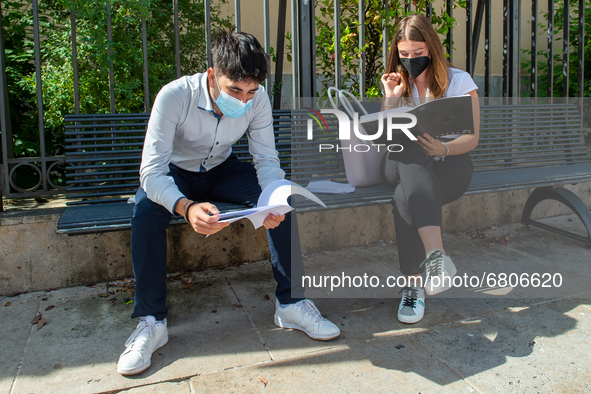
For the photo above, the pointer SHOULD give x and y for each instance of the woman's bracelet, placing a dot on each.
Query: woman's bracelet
(446, 151)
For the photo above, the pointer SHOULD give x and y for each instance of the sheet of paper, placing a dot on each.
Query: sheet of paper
(330, 187)
(255, 215)
(278, 191)
(272, 200)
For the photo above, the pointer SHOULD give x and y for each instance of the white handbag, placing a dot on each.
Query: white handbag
(362, 159)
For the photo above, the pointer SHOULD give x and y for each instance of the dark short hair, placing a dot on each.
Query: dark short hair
(239, 56)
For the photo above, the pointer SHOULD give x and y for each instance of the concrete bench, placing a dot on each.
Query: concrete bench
(537, 146)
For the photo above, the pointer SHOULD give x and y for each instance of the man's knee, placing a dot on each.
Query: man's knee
(146, 209)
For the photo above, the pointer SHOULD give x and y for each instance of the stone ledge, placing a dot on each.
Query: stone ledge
(45, 215)
(34, 257)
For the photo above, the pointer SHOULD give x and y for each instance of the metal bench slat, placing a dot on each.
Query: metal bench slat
(89, 127)
(85, 141)
(73, 159)
(512, 153)
(104, 146)
(530, 177)
(99, 202)
(541, 138)
(102, 173)
(97, 166)
(109, 152)
(103, 187)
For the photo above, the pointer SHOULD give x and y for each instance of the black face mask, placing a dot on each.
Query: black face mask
(416, 65)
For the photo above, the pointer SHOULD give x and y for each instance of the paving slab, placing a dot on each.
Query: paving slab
(543, 348)
(255, 289)
(378, 366)
(471, 308)
(357, 272)
(78, 348)
(358, 319)
(161, 388)
(15, 324)
(561, 268)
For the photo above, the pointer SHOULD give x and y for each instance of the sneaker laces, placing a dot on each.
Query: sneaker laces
(433, 264)
(139, 338)
(308, 307)
(409, 296)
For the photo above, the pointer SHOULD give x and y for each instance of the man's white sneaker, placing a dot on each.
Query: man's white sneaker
(304, 316)
(439, 272)
(412, 305)
(147, 337)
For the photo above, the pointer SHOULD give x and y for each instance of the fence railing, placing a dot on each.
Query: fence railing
(479, 16)
(42, 165)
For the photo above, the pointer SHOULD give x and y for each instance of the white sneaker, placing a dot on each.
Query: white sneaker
(412, 305)
(304, 316)
(439, 272)
(147, 337)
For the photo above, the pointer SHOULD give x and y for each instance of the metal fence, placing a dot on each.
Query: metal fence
(479, 17)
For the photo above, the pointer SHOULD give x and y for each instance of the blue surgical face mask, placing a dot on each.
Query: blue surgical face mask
(230, 106)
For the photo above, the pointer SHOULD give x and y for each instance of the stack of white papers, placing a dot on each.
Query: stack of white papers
(330, 187)
(272, 200)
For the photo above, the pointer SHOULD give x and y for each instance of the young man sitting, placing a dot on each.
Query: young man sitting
(187, 157)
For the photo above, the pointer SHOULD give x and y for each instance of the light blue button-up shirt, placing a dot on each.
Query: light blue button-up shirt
(184, 130)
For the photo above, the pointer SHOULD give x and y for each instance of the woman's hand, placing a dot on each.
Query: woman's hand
(393, 84)
(432, 146)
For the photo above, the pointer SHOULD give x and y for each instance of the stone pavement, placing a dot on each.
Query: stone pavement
(222, 337)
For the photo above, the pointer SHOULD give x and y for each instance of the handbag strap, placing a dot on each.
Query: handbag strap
(341, 95)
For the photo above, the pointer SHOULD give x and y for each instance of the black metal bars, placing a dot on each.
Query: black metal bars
(469, 67)
(111, 67)
(450, 31)
(581, 48)
(550, 47)
(534, 48)
(177, 41)
(565, 48)
(361, 34)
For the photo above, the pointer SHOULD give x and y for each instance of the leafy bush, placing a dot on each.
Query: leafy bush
(93, 59)
(573, 59)
(573, 78)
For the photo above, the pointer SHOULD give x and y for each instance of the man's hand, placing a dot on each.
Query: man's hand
(272, 221)
(204, 217)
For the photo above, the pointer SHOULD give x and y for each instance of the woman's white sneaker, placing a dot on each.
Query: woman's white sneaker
(439, 272)
(412, 305)
(304, 316)
(149, 336)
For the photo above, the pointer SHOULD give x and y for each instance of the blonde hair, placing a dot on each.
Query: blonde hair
(418, 28)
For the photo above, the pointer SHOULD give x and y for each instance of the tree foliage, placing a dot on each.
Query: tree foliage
(558, 61)
(94, 60)
(375, 18)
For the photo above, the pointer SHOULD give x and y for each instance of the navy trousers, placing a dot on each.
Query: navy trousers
(232, 181)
